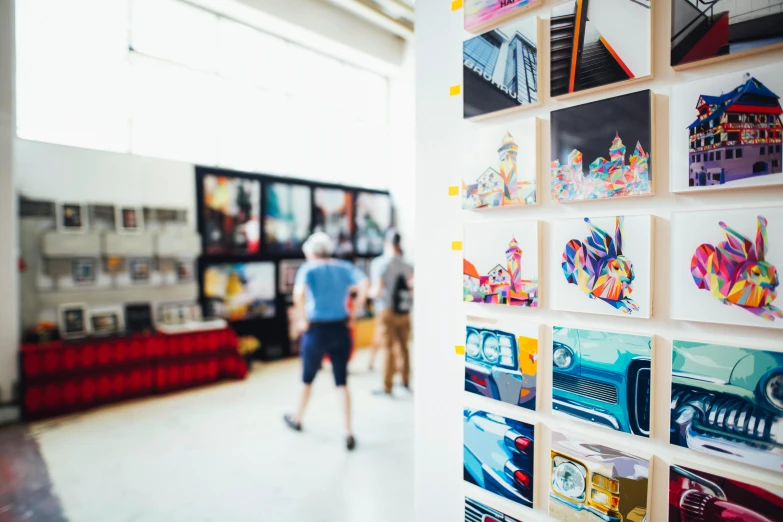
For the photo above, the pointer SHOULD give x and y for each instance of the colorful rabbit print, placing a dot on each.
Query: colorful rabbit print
(736, 272)
(599, 268)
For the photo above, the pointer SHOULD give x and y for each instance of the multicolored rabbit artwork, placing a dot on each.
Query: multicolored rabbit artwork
(599, 268)
(736, 273)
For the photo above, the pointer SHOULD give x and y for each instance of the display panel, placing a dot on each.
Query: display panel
(499, 455)
(231, 221)
(603, 378)
(588, 132)
(334, 215)
(373, 220)
(287, 216)
(238, 291)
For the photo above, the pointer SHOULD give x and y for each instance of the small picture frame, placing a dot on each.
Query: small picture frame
(138, 317)
(72, 320)
(177, 313)
(72, 218)
(83, 270)
(184, 270)
(140, 269)
(106, 321)
(129, 220)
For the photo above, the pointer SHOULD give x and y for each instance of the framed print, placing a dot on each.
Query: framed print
(288, 216)
(725, 266)
(603, 378)
(184, 270)
(373, 220)
(72, 319)
(334, 215)
(603, 265)
(476, 511)
(488, 88)
(484, 14)
(83, 270)
(500, 165)
(501, 361)
(588, 132)
(727, 401)
(238, 291)
(705, 32)
(71, 217)
(129, 220)
(719, 497)
(502, 448)
(591, 50)
(175, 313)
(140, 269)
(106, 321)
(138, 317)
(287, 275)
(602, 481)
(726, 131)
(230, 215)
(501, 263)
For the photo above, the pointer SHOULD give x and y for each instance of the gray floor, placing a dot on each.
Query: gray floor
(222, 453)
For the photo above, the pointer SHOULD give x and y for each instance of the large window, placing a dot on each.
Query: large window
(165, 79)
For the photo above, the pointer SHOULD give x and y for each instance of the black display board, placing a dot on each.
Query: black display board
(234, 230)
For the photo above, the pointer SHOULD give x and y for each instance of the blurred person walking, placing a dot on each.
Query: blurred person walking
(321, 291)
(392, 291)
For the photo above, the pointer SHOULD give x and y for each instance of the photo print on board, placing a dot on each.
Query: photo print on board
(486, 13)
(287, 216)
(231, 215)
(595, 43)
(587, 132)
(726, 131)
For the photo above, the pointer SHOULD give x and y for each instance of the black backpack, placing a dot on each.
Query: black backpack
(402, 298)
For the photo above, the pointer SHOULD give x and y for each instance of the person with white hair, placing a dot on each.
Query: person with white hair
(321, 291)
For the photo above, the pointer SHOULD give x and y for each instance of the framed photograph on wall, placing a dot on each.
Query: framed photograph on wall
(230, 214)
(71, 217)
(334, 215)
(72, 320)
(599, 44)
(288, 216)
(488, 89)
(373, 220)
(129, 220)
(140, 269)
(84, 270)
(287, 270)
(106, 321)
(238, 291)
(726, 131)
(138, 317)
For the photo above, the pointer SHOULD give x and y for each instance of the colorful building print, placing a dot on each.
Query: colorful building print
(737, 135)
(605, 179)
(598, 267)
(736, 272)
(497, 189)
(480, 13)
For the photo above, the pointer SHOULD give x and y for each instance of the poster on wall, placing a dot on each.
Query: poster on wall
(237, 291)
(500, 165)
(503, 449)
(501, 361)
(373, 220)
(603, 378)
(587, 133)
(713, 387)
(287, 216)
(721, 498)
(488, 87)
(231, 221)
(334, 215)
(618, 487)
(599, 43)
(725, 266)
(501, 263)
(482, 14)
(602, 265)
(726, 131)
(476, 511)
(709, 31)
(287, 275)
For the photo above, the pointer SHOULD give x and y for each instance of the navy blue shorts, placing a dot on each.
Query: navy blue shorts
(332, 339)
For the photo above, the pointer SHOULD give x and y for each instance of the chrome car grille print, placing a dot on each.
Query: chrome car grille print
(585, 387)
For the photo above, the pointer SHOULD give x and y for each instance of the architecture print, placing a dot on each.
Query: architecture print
(502, 284)
(497, 189)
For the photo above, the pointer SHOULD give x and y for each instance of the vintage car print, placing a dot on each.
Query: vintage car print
(696, 496)
(728, 401)
(478, 512)
(603, 378)
(498, 455)
(593, 482)
(502, 364)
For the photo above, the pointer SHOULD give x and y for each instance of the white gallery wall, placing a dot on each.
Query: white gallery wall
(440, 312)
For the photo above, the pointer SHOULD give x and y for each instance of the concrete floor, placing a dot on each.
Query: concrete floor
(222, 453)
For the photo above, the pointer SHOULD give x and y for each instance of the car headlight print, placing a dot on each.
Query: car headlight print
(491, 348)
(562, 357)
(569, 478)
(473, 345)
(506, 346)
(773, 390)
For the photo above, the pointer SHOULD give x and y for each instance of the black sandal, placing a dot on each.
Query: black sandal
(291, 423)
(350, 443)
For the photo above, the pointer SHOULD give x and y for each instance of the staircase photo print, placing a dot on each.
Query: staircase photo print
(595, 43)
(705, 31)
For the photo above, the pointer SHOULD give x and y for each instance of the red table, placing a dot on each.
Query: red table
(65, 376)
